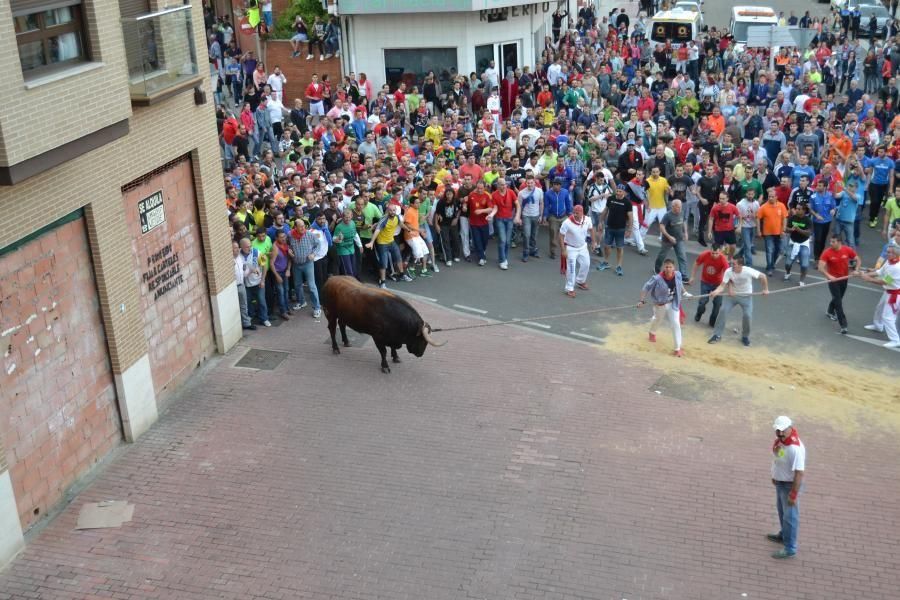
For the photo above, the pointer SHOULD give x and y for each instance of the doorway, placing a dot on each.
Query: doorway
(506, 57)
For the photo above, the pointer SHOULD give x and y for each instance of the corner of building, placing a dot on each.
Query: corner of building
(11, 540)
(137, 399)
(226, 318)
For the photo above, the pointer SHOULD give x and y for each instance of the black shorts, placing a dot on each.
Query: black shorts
(724, 237)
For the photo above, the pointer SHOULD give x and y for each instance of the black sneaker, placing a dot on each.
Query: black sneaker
(714, 339)
(745, 341)
(831, 316)
(844, 330)
(697, 317)
(775, 537)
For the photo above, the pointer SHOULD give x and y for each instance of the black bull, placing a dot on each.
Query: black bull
(390, 320)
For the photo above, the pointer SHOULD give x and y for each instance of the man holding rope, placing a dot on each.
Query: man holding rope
(888, 276)
(738, 280)
(835, 264)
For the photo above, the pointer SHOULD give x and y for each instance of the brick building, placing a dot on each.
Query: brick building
(116, 277)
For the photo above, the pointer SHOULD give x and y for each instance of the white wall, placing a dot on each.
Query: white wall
(371, 34)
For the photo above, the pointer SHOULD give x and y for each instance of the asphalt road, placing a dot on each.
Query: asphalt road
(786, 322)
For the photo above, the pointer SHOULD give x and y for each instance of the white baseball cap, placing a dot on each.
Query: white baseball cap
(781, 423)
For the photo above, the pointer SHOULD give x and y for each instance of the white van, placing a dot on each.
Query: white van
(744, 17)
(678, 25)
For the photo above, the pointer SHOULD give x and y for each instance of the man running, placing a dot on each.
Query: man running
(712, 264)
(738, 280)
(618, 214)
(888, 276)
(573, 235)
(665, 290)
(835, 264)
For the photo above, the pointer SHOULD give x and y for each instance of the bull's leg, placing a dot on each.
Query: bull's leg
(384, 365)
(344, 334)
(332, 325)
(394, 356)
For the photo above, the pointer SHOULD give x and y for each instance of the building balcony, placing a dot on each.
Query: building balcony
(162, 58)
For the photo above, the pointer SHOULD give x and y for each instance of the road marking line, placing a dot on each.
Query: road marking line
(533, 324)
(878, 343)
(470, 309)
(587, 337)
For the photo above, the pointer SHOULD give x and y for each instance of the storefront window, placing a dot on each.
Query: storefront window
(411, 65)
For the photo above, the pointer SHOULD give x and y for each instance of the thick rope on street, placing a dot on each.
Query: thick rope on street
(594, 311)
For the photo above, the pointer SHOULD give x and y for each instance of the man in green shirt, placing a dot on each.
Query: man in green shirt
(365, 216)
(344, 237)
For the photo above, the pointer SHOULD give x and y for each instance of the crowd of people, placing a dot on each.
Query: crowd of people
(606, 140)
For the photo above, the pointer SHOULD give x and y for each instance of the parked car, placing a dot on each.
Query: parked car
(878, 12)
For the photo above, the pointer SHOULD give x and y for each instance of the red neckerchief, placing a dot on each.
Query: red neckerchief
(572, 218)
(297, 235)
(791, 440)
(283, 248)
(894, 260)
(663, 275)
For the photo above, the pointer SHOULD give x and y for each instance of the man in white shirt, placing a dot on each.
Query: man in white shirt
(554, 72)
(573, 236)
(888, 276)
(738, 280)
(246, 323)
(528, 214)
(788, 466)
(276, 81)
(492, 76)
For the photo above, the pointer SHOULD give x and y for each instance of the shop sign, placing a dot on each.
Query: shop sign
(151, 212)
(494, 15)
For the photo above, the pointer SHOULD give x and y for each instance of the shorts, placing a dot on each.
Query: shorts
(387, 253)
(317, 108)
(724, 237)
(614, 238)
(418, 247)
(300, 37)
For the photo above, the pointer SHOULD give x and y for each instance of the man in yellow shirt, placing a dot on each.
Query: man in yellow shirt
(657, 193)
(386, 248)
(434, 132)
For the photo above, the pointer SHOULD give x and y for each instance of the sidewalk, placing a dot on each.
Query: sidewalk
(493, 467)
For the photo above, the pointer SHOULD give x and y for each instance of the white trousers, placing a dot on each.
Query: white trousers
(667, 312)
(651, 215)
(636, 228)
(464, 232)
(578, 264)
(886, 319)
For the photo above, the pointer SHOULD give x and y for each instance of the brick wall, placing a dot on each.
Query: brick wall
(169, 270)
(59, 415)
(298, 71)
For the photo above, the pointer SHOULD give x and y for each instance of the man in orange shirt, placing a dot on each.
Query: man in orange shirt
(839, 145)
(716, 122)
(413, 238)
(771, 219)
(507, 202)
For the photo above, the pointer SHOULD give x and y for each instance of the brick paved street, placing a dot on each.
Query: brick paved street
(488, 469)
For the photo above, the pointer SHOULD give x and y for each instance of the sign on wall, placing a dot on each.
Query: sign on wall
(151, 212)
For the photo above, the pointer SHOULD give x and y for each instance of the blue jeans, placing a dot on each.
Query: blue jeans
(845, 228)
(747, 237)
(788, 516)
(859, 216)
(529, 236)
(503, 227)
(281, 291)
(802, 256)
(256, 297)
(746, 304)
(773, 249)
(306, 272)
(480, 235)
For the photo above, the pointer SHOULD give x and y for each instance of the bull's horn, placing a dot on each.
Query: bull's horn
(425, 329)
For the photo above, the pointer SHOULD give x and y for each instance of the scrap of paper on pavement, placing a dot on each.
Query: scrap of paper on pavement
(100, 515)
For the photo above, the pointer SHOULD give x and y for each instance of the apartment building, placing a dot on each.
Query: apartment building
(116, 273)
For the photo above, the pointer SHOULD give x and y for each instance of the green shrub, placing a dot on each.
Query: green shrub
(284, 23)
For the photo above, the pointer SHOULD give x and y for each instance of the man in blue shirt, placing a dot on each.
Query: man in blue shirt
(846, 211)
(822, 209)
(880, 170)
(557, 206)
(801, 169)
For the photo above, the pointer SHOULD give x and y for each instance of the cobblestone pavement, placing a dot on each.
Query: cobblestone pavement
(507, 465)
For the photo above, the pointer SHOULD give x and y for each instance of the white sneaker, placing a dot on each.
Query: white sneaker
(449, 263)
(892, 345)
(321, 57)
(434, 267)
(504, 265)
(482, 262)
(317, 313)
(455, 259)
(267, 323)
(801, 283)
(787, 276)
(873, 327)
(309, 56)
(688, 294)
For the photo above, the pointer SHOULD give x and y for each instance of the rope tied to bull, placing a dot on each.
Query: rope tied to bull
(632, 306)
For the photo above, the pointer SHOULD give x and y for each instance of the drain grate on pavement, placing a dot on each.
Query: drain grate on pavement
(266, 360)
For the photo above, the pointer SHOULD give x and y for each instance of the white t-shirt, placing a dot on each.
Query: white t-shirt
(743, 281)
(788, 459)
(748, 212)
(576, 235)
(493, 104)
(276, 82)
(531, 201)
(890, 274)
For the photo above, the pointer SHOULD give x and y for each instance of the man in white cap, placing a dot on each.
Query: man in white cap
(788, 465)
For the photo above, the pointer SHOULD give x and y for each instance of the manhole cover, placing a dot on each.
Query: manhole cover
(267, 360)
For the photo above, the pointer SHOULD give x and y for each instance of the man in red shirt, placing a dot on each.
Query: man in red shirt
(835, 263)
(471, 168)
(507, 202)
(315, 94)
(783, 191)
(712, 264)
(722, 220)
(481, 209)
